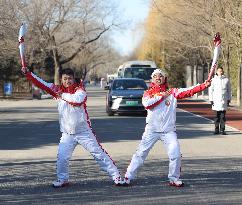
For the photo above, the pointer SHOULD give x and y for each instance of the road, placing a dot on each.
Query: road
(29, 134)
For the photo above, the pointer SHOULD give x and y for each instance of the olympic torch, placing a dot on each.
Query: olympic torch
(48, 87)
(22, 32)
(217, 50)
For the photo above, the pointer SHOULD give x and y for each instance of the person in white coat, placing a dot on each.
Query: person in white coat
(220, 97)
(161, 104)
(75, 126)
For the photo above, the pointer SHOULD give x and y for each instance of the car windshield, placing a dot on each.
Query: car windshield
(138, 72)
(129, 85)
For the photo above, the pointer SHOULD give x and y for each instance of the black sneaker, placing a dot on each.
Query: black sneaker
(216, 132)
(223, 133)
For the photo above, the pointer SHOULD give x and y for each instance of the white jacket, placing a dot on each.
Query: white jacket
(73, 115)
(220, 92)
(161, 116)
(73, 119)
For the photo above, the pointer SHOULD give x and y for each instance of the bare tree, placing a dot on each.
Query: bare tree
(98, 57)
(183, 29)
(65, 28)
(8, 42)
(231, 17)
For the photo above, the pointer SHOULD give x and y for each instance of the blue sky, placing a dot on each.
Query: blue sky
(134, 11)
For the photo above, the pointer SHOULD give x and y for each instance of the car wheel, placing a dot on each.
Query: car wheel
(39, 97)
(109, 111)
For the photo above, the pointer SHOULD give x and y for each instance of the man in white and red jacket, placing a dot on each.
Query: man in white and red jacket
(161, 104)
(75, 126)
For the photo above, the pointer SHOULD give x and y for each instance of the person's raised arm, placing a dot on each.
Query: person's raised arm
(180, 93)
(50, 88)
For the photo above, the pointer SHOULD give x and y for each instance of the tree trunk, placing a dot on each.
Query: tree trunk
(228, 62)
(239, 76)
(239, 86)
(195, 80)
(57, 68)
(57, 62)
(85, 72)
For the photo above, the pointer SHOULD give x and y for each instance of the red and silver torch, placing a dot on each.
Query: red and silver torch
(217, 50)
(22, 32)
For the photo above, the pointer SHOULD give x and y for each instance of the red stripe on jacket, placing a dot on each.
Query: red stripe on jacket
(41, 85)
(155, 104)
(189, 92)
(76, 104)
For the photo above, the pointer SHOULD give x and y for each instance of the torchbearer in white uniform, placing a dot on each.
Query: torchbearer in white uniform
(75, 126)
(161, 104)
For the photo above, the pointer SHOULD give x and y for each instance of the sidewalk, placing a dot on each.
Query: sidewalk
(203, 108)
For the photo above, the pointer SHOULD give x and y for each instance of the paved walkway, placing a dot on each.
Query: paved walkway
(211, 165)
(203, 108)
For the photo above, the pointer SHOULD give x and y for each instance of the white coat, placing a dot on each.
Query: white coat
(220, 93)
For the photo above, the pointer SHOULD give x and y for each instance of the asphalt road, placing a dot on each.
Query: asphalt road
(29, 135)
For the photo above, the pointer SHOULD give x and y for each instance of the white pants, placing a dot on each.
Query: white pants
(88, 140)
(172, 146)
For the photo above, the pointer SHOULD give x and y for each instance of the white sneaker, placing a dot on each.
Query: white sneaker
(177, 183)
(118, 181)
(126, 181)
(60, 183)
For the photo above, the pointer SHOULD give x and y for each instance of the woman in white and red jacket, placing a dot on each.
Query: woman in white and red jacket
(74, 125)
(161, 104)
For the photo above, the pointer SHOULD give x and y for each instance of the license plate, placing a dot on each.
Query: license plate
(132, 103)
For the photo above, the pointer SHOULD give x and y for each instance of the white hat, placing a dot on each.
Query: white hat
(158, 71)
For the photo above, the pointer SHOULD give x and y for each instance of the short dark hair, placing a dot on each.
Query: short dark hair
(67, 71)
(220, 67)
